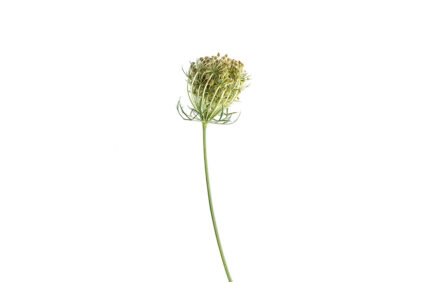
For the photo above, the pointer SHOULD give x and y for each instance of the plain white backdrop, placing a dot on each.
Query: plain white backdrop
(319, 180)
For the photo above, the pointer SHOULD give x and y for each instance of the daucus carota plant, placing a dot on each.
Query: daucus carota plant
(213, 85)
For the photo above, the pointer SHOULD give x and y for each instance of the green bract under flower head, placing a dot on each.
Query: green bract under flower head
(214, 83)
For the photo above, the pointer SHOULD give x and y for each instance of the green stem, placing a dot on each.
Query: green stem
(216, 232)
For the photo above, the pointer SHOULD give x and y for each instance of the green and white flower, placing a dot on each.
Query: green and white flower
(213, 85)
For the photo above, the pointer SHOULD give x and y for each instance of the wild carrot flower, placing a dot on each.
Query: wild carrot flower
(213, 85)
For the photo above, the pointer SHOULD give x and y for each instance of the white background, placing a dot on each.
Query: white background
(319, 180)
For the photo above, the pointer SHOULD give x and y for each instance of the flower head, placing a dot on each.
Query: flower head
(214, 83)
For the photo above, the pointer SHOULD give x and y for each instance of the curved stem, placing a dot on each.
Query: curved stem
(216, 232)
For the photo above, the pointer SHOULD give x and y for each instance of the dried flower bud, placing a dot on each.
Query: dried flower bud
(214, 83)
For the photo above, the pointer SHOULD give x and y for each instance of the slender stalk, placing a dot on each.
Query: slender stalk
(216, 232)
